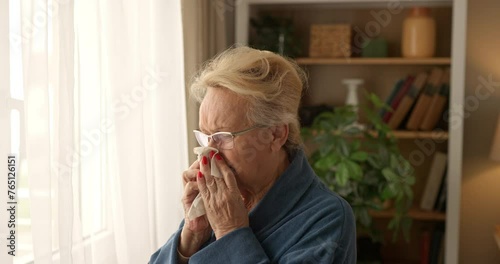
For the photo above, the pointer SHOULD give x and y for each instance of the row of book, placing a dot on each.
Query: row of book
(418, 101)
(432, 246)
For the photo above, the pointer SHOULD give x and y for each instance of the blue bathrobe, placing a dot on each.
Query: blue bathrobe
(298, 221)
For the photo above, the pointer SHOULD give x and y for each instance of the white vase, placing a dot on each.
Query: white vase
(352, 99)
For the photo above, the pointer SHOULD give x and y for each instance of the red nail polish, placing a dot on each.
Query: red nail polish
(212, 153)
(218, 156)
(204, 160)
(200, 175)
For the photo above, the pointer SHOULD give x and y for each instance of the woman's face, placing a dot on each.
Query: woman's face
(251, 157)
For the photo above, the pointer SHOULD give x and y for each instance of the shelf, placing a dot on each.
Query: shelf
(373, 61)
(405, 134)
(441, 135)
(414, 213)
(359, 3)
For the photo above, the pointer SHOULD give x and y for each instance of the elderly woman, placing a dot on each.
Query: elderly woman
(268, 206)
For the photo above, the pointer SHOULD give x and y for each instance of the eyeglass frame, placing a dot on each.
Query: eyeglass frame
(232, 134)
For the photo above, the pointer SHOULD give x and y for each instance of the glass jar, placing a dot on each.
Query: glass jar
(419, 34)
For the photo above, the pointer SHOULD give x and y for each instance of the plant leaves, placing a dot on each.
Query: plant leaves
(359, 156)
(356, 144)
(374, 99)
(342, 174)
(354, 170)
(364, 217)
(394, 161)
(408, 191)
(364, 171)
(390, 175)
(409, 180)
(374, 161)
(326, 163)
(325, 149)
(388, 193)
(344, 149)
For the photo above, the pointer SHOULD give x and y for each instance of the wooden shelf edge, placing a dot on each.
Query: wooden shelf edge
(356, 3)
(414, 213)
(374, 61)
(406, 134)
(441, 135)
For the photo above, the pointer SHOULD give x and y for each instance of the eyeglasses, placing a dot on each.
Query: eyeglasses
(224, 140)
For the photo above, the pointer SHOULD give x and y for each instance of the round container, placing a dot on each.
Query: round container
(419, 34)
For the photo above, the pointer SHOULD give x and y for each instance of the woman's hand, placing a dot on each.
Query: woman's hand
(195, 232)
(225, 209)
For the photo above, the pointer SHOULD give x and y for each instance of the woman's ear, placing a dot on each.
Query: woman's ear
(280, 136)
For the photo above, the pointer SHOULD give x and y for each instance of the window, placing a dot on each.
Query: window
(15, 107)
(89, 163)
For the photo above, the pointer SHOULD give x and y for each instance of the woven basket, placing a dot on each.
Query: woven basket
(330, 40)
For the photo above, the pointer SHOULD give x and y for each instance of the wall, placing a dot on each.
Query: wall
(480, 209)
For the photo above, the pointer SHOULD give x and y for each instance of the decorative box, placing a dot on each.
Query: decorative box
(330, 40)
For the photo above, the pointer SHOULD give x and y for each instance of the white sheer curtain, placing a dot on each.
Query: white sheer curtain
(105, 127)
(205, 25)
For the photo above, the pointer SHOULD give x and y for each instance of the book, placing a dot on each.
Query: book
(425, 244)
(436, 244)
(437, 106)
(440, 205)
(395, 90)
(398, 97)
(441, 252)
(434, 179)
(408, 100)
(425, 99)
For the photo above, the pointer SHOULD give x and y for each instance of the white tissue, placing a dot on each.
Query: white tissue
(197, 207)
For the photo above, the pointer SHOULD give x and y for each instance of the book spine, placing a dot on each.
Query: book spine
(394, 91)
(424, 100)
(433, 181)
(440, 205)
(425, 244)
(397, 99)
(408, 101)
(436, 244)
(437, 105)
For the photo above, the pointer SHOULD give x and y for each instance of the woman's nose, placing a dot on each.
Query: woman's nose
(212, 143)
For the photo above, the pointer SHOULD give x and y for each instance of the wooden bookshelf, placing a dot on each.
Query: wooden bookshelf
(414, 213)
(380, 74)
(374, 61)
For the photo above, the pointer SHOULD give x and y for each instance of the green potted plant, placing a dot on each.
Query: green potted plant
(276, 34)
(364, 166)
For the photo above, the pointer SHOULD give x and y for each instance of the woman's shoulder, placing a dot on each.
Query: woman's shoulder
(323, 214)
(326, 202)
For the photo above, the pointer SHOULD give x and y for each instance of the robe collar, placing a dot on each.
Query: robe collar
(283, 195)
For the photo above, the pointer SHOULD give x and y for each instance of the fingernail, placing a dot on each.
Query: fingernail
(200, 175)
(204, 160)
(218, 156)
(212, 153)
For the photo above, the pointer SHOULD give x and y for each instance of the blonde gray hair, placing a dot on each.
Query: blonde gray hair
(270, 83)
